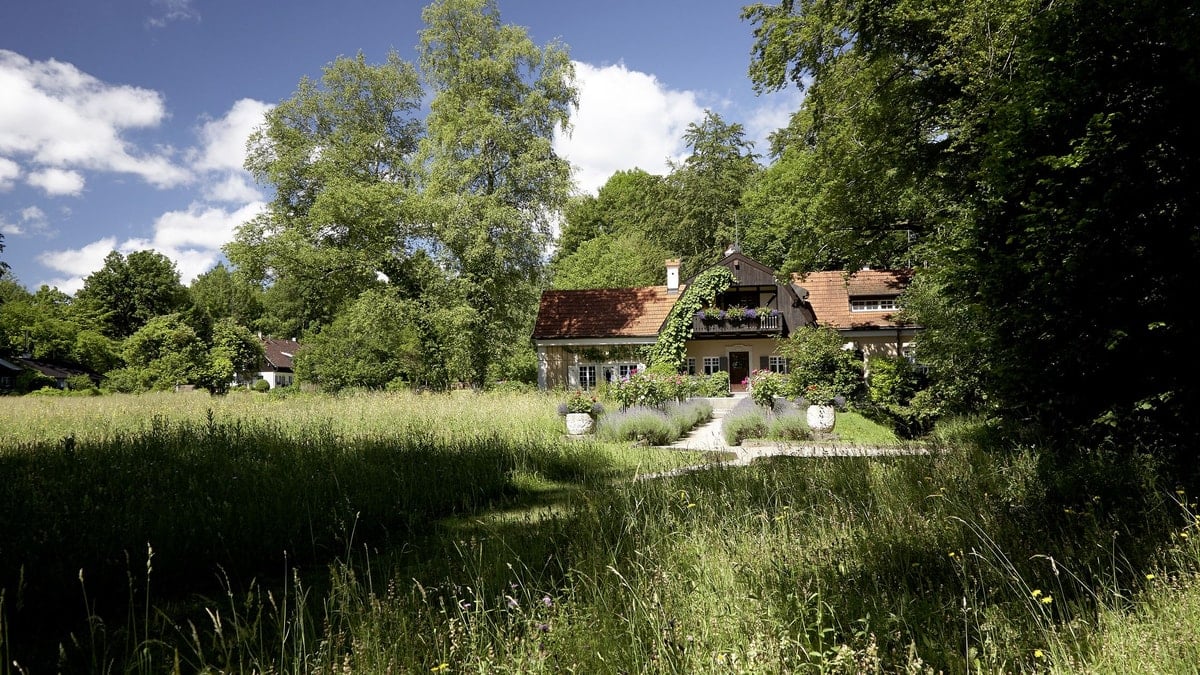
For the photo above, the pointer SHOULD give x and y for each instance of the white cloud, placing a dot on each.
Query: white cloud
(76, 263)
(192, 239)
(12, 229)
(774, 113)
(57, 182)
(222, 153)
(9, 171)
(234, 189)
(55, 116)
(33, 214)
(625, 119)
(172, 10)
(200, 227)
(225, 138)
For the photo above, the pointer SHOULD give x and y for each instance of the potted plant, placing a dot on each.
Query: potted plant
(821, 414)
(581, 411)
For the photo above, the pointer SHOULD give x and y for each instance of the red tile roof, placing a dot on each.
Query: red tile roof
(279, 353)
(603, 313)
(829, 293)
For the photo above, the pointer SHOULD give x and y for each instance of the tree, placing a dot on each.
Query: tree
(1042, 154)
(339, 154)
(493, 177)
(235, 352)
(619, 260)
(817, 357)
(164, 353)
(3, 265)
(224, 294)
(706, 191)
(128, 291)
(629, 201)
(373, 342)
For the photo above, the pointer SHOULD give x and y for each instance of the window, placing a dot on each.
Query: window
(874, 305)
(587, 377)
(625, 370)
(691, 366)
(712, 364)
(777, 364)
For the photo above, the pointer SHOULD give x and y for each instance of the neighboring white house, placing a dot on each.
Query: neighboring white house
(276, 367)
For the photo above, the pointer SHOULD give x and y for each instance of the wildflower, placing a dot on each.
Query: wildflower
(1039, 654)
(440, 668)
(547, 601)
(1149, 577)
(512, 602)
(1037, 593)
(692, 505)
(1047, 600)
(1183, 535)
(543, 627)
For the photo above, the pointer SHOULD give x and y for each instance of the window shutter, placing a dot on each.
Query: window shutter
(725, 363)
(763, 363)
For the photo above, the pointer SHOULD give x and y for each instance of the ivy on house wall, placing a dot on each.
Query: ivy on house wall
(671, 347)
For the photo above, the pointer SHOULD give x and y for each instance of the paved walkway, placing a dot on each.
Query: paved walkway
(709, 437)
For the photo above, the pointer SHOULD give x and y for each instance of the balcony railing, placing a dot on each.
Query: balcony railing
(764, 325)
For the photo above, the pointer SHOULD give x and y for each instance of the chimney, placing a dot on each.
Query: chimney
(672, 276)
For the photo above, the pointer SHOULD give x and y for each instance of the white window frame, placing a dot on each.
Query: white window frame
(691, 365)
(777, 364)
(587, 376)
(874, 305)
(712, 364)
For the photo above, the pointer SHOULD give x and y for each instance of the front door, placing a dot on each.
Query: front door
(739, 369)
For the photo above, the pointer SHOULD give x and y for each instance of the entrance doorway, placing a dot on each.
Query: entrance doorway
(739, 370)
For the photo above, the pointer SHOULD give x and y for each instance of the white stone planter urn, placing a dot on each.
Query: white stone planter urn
(579, 423)
(820, 418)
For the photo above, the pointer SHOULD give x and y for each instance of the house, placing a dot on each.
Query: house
(8, 375)
(58, 371)
(585, 337)
(863, 306)
(276, 366)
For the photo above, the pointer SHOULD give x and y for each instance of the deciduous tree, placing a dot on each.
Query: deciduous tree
(339, 155)
(128, 291)
(494, 180)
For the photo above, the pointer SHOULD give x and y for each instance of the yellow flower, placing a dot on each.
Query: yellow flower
(1039, 654)
(440, 668)
(1037, 593)
(1183, 534)
(1047, 600)
(691, 506)
(1149, 577)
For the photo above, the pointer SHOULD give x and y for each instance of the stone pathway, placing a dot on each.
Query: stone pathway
(709, 437)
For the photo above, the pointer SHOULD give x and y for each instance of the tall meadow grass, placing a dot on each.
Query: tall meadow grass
(421, 543)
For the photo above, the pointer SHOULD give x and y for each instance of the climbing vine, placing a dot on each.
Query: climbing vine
(671, 347)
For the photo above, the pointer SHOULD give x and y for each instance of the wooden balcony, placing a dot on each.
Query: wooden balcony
(763, 326)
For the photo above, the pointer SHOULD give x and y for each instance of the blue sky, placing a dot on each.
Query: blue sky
(123, 122)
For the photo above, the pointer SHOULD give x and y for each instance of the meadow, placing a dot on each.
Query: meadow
(464, 533)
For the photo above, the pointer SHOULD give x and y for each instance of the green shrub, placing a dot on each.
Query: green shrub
(715, 385)
(638, 423)
(790, 427)
(744, 421)
(261, 386)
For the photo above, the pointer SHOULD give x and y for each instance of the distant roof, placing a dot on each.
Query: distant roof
(280, 353)
(54, 369)
(830, 293)
(603, 313)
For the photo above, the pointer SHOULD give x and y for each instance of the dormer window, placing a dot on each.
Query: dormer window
(874, 305)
